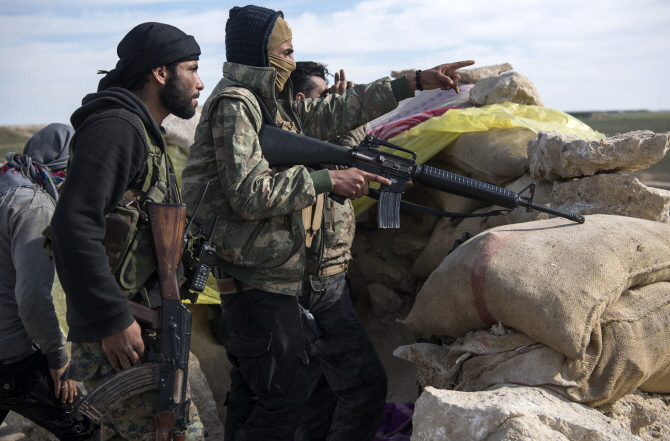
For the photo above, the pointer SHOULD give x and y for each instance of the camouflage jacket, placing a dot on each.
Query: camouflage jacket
(339, 219)
(260, 237)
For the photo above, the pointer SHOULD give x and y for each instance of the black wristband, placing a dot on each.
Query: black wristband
(418, 80)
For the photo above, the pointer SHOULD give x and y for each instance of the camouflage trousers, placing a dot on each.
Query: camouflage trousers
(133, 420)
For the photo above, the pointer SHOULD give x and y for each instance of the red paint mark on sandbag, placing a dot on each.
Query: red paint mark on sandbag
(492, 245)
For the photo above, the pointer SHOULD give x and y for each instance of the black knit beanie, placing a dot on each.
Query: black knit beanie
(248, 32)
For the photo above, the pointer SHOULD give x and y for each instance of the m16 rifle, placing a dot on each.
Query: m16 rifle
(284, 148)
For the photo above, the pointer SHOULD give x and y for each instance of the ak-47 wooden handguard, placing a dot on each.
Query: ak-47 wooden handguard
(167, 232)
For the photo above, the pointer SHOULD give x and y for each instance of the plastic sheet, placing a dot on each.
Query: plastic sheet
(435, 134)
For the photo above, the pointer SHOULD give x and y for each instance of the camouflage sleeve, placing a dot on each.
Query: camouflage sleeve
(350, 139)
(253, 189)
(326, 118)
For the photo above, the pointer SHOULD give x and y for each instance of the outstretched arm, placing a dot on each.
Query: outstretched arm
(442, 77)
(325, 118)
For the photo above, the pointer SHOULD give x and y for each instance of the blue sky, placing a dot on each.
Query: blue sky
(581, 55)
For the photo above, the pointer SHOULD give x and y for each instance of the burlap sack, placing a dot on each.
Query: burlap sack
(550, 279)
(442, 241)
(496, 156)
(628, 350)
(448, 201)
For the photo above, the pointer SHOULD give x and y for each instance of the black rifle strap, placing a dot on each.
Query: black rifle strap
(374, 194)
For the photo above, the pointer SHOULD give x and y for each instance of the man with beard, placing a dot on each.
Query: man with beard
(117, 164)
(348, 383)
(262, 234)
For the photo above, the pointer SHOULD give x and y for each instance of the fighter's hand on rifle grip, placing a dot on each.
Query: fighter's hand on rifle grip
(353, 183)
(442, 77)
(124, 348)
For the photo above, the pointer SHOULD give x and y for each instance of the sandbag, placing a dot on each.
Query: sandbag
(442, 241)
(628, 350)
(550, 279)
(447, 201)
(495, 156)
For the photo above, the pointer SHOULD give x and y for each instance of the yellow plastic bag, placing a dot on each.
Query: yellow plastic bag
(431, 136)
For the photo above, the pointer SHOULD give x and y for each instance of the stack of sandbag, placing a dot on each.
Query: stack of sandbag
(589, 304)
(496, 156)
(570, 174)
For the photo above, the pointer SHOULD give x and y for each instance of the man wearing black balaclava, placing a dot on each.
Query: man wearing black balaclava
(118, 163)
(33, 355)
(269, 237)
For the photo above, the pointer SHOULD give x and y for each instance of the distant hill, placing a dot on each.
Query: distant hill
(621, 121)
(13, 138)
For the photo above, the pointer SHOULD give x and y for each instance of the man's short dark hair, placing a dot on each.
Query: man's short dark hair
(301, 77)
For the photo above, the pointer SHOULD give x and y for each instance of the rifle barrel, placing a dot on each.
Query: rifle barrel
(570, 216)
(461, 186)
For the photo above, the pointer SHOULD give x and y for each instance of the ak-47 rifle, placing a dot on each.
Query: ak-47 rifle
(284, 148)
(166, 370)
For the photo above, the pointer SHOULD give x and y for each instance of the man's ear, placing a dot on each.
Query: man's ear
(300, 96)
(160, 74)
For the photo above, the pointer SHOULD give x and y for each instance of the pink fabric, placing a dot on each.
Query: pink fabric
(388, 131)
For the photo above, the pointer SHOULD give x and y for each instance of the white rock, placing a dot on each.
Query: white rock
(384, 299)
(555, 155)
(180, 132)
(473, 75)
(509, 412)
(431, 361)
(611, 193)
(646, 415)
(509, 86)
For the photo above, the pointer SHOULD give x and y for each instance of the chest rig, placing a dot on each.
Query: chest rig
(127, 238)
